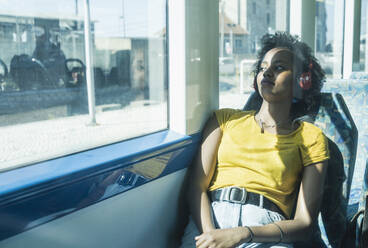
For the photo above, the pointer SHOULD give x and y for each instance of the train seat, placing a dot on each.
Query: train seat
(357, 230)
(333, 117)
(362, 239)
(364, 205)
(28, 73)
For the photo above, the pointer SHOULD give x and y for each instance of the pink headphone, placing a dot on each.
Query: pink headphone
(305, 81)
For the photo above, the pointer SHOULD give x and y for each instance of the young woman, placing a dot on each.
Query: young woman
(257, 179)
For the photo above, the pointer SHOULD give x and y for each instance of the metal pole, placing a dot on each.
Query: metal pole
(89, 64)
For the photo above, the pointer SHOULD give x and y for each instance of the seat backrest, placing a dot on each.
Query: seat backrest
(357, 232)
(333, 117)
(363, 206)
(336, 122)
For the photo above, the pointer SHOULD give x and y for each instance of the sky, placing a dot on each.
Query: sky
(143, 18)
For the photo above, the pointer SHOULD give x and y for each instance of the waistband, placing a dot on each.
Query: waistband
(242, 196)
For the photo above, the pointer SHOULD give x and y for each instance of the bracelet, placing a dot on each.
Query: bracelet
(281, 232)
(251, 234)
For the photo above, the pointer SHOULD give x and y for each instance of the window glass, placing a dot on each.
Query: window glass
(329, 39)
(360, 62)
(44, 99)
(363, 37)
(241, 26)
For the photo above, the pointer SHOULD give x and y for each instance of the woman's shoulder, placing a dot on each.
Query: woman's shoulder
(310, 127)
(226, 115)
(229, 113)
(310, 132)
(314, 144)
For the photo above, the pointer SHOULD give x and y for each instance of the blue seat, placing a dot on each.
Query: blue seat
(333, 117)
(363, 206)
(357, 231)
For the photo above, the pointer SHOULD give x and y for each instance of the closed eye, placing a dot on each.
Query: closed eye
(280, 67)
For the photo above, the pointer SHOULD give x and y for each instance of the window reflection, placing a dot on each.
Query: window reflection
(329, 40)
(360, 64)
(43, 75)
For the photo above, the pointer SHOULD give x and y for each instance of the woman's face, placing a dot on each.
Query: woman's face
(275, 79)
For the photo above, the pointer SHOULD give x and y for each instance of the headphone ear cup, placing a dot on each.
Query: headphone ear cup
(305, 81)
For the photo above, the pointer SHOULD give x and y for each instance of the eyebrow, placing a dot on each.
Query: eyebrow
(275, 62)
(280, 61)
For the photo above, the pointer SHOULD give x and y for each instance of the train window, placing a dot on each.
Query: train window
(329, 39)
(7, 31)
(46, 92)
(360, 65)
(240, 28)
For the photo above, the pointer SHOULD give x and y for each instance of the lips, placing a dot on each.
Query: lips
(266, 82)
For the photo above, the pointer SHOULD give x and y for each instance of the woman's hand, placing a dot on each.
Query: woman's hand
(223, 238)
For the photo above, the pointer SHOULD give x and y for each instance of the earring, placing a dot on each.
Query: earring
(305, 81)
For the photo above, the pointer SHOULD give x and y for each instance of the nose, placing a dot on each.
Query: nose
(268, 73)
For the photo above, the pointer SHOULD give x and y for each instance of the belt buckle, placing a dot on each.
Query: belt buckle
(243, 198)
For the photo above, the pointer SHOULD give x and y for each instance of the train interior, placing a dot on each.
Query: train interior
(102, 105)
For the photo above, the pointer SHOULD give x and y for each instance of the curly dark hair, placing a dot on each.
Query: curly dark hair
(303, 57)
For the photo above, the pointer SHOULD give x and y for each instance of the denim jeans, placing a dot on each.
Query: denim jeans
(227, 215)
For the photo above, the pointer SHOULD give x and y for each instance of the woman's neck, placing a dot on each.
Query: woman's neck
(274, 113)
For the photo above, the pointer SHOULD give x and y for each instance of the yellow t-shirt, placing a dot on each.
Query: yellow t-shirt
(265, 163)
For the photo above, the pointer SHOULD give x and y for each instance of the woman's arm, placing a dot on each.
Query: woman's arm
(307, 208)
(298, 229)
(201, 173)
